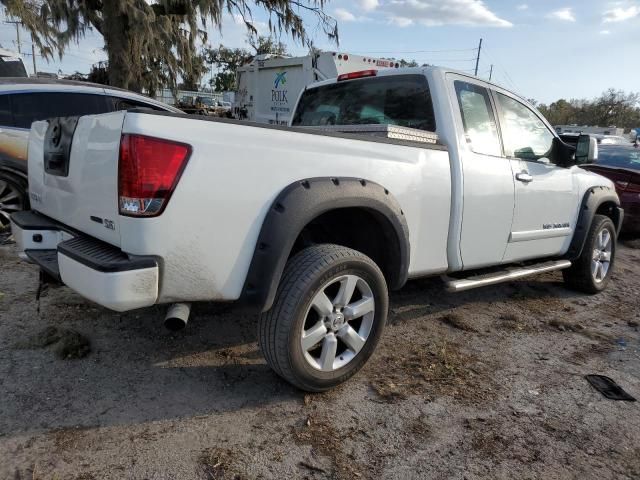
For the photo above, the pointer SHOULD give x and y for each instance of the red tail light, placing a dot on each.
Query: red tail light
(148, 171)
(354, 75)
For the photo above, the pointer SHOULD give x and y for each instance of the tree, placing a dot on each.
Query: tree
(151, 41)
(267, 45)
(404, 63)
(191, 80)
(228, 60)
(613, 107)
(223, 82)
(99, 73)
(77, 76)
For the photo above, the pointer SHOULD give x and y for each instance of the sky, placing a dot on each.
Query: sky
(541, 49)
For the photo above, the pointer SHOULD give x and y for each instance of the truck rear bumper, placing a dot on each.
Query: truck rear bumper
(96, 270)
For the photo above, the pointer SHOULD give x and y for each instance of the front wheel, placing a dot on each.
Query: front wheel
(327, 317)
(591, 272)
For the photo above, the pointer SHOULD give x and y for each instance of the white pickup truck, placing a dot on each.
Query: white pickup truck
(310, 225)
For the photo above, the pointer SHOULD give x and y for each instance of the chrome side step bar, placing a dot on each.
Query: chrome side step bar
(460, 285)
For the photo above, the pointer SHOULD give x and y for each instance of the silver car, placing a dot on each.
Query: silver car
(25, 100)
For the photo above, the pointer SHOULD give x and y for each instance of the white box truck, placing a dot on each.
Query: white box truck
(269, 86)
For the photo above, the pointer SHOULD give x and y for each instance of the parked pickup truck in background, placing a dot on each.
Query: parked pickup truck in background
(310, 225)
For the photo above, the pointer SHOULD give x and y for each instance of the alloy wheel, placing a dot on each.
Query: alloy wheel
(338, 323)
(11, 200)
(601, 259)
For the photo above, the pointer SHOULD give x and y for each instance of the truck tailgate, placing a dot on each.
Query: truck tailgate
(73, 172)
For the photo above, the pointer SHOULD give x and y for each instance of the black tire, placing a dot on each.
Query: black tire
(579, 276)
(280, 328)
(11, 184)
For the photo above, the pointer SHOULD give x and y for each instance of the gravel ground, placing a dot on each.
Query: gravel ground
(484, 384)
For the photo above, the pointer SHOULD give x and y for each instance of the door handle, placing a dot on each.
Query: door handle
(524, 177)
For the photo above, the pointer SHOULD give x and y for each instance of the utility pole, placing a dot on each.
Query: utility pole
(478, 58)
(17, 24)
(491, 72)
(33, 56)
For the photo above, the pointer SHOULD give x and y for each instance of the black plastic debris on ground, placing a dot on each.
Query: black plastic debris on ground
(609, 388)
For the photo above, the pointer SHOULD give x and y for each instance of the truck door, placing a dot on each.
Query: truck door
(546, 198)
(487, 180)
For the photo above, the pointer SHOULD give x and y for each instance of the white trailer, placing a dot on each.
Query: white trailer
(269, 86)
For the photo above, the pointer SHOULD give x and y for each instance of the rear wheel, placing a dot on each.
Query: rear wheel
(13, 196)
(327, 317)
(591, 272)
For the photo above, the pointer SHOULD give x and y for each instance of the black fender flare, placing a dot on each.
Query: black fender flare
(593, 199)
(300, 203)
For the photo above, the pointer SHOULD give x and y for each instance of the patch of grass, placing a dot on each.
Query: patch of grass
(419, 428)
(219, 464)
(565, 326)
(428, 370)
(325, 439)
(513, 321)
(590, 351)
(456, 320)
(67, 343)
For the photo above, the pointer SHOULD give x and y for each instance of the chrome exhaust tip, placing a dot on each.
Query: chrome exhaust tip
(177, 316)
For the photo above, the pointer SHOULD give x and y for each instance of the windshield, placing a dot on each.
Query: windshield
(206, 101)
(402, 100)
(619, 157)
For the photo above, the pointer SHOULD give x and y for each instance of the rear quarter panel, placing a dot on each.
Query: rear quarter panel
(207, 234)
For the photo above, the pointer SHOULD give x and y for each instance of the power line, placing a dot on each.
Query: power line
(421, 51)
(444, 60)
(17, 24)
(505, 74)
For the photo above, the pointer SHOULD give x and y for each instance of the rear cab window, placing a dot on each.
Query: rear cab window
(30, 107)
(403, 100)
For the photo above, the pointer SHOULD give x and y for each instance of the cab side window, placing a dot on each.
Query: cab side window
(478, 119)
(525, 136)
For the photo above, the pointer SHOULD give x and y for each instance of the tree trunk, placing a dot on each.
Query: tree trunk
(118, 42)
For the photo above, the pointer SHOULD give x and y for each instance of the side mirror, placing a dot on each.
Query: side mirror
(586, 150)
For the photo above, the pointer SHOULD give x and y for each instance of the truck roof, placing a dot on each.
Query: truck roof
(422, 71)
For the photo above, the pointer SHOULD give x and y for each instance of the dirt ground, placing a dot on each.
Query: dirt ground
(484, 384)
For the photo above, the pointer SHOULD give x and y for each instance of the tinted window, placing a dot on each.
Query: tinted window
(478, 119)
(29, 107)
(127, 104)
(619, 157)
(402, 100)
(6, 118)
(524, 134)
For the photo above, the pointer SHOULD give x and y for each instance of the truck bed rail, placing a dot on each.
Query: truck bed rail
(385, 131)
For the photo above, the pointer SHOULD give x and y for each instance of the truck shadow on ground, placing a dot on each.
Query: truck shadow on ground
(137, 372)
